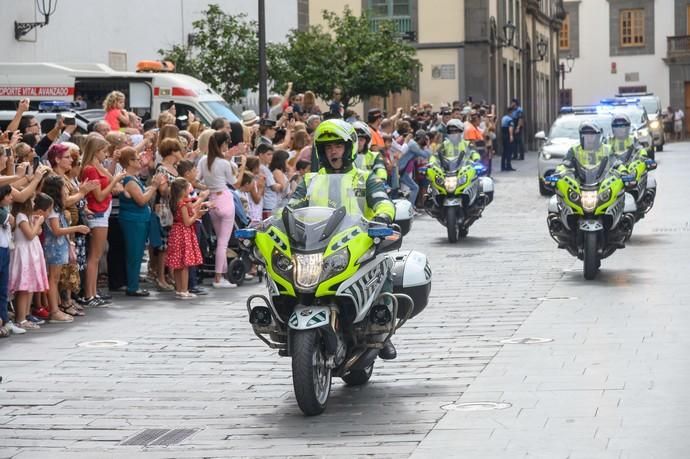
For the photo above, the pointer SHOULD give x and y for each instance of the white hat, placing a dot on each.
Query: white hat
(249, 117)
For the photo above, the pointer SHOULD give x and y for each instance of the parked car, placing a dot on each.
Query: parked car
(564, 133)
(46, 119)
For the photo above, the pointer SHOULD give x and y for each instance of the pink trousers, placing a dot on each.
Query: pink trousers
(223, 219)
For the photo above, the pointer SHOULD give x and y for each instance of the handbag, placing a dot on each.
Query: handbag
(165, 215)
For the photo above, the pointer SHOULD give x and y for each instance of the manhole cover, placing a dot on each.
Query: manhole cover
(476, 406)
(527, 340)
(557, 298)
(103, 343)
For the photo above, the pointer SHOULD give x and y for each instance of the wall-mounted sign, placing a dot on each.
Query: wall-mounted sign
(631, 77)
(443, 72)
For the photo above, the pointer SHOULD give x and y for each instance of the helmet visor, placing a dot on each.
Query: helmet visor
(621, 132)
(591, 141)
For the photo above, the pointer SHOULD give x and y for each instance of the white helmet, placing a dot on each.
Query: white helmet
(455, 124)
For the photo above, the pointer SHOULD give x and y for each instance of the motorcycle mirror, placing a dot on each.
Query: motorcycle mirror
(245, 233)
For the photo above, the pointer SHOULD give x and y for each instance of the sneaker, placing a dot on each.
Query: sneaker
(105, 299)
(14, 329)
(35, 319)
(184, 295)
(94, 302)
(248, 277)
(198, 291)
(41, 313)
(223, 284)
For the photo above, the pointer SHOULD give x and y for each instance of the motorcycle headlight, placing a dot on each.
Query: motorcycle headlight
(451, 183)
(573, 196)
(605, 196)
(335, 263)
(589, 201)
(308, 268)
(439, 180)
(654, 125)
(281, 262)
(462, 180)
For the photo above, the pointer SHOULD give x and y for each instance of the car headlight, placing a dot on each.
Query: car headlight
(589, 201)
(654, 125)
(605, 196)
(308, 268)
(546, 155)
(451, 183)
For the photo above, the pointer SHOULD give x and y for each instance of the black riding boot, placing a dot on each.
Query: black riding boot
(388, 351)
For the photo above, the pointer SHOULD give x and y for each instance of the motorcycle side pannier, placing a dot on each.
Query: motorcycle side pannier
(412, 276)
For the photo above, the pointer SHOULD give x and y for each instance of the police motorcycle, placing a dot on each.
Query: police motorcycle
(590, 215)
(633, 159)
(338, 288)
(457, 193)
(368, 160)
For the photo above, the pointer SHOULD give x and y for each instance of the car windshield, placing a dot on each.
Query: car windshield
(568, 127)
(221, 109)
(635, 113)
(651, 105)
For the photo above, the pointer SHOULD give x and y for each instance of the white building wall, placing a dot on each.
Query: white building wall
(86, 30)
(591, 78)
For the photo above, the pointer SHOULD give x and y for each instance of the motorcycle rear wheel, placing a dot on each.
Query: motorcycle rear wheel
(452, 224)
(359, 377)
(311, 378)
(591, 256)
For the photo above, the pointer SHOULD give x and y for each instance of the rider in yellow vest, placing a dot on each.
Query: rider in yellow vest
(623, 145)
(366, 159)
(589, 152)
(454, 146)
(335, 142)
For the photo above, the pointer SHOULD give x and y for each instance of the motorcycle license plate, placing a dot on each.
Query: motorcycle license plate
(452, 202)
(591, 225)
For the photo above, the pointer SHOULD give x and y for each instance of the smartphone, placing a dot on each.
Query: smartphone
(8, 151)
(291, 115)
(70, 121)
(58, 117)
(237, 159)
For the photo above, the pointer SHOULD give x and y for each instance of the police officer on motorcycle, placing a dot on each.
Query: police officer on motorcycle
(335, 142)
(590, 151)
(623, 145)
(454, 144)
(366, 159)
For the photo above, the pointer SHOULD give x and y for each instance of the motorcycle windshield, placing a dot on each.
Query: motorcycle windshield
(592, 174)
(332, 203)
(451, 163)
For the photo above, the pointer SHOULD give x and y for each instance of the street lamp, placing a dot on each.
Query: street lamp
(46, 8)
(542, 49)
(508, 34)
(566, 67)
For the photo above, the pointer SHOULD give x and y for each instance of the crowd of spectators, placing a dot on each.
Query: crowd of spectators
(69, 198)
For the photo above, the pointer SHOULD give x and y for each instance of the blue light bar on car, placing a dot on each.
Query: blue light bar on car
(54, 105)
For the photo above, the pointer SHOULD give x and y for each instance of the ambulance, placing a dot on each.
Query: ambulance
(149, 91)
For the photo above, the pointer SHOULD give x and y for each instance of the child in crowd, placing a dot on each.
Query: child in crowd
(56, 245)
(115, 114)
(183, 246)
(6, 222)
(28, 264)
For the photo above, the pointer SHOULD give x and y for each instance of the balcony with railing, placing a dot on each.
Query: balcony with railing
(678, 46)
(402, 24)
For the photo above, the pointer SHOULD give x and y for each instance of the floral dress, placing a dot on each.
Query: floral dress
(183, 246)
(28, 271)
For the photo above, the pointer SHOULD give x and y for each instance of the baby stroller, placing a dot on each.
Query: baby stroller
(239, 263)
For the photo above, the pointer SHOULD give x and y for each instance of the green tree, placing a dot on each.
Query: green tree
(224, 53)
(348, 55)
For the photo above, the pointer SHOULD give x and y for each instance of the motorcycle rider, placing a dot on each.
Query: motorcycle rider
(455, 145)
(336, 144)
(623, 145)
(368, 160)
(589, 152)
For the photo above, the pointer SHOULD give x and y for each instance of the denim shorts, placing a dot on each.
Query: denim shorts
(98, 219)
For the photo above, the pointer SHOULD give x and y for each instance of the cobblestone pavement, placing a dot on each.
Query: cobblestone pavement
(614, 365)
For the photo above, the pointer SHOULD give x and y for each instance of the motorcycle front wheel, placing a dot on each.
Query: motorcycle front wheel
(591, 256)
(452, 224)
(311, 378)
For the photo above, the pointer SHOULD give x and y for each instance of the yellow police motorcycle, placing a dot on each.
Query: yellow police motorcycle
(457, 194)
(337, 288)
(591, 215)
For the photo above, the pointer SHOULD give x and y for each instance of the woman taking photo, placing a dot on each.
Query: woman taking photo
(98, 203)
(135, 216)
(217, 173)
